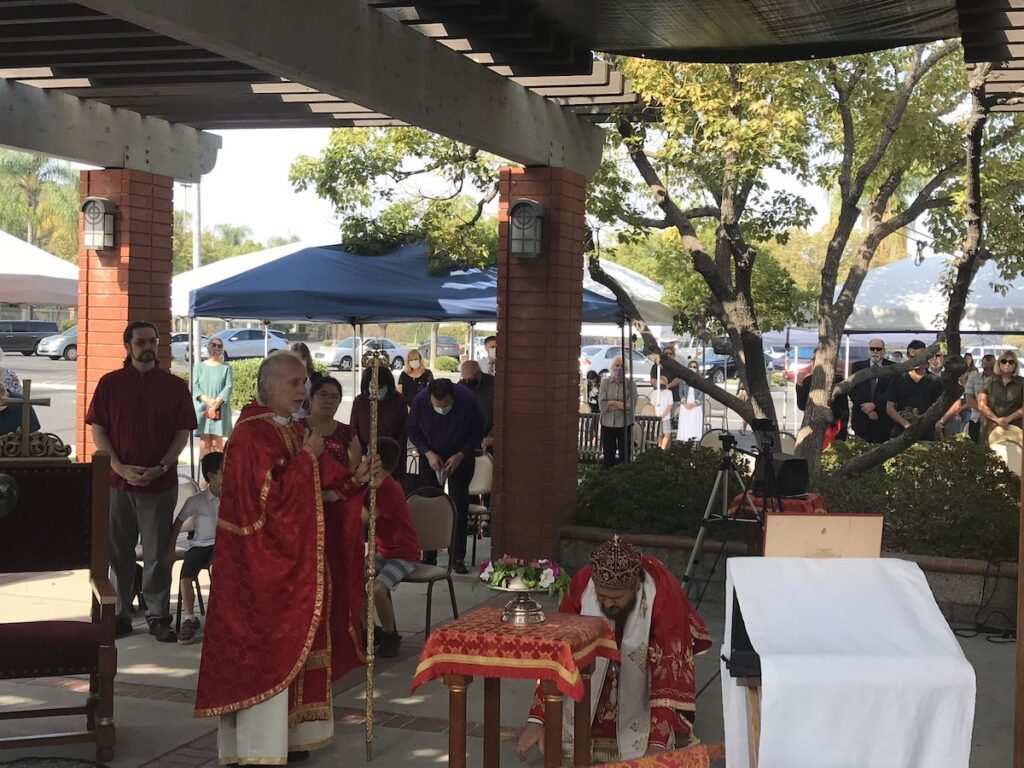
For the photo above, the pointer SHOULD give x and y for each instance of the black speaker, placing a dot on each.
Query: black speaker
(790, 473)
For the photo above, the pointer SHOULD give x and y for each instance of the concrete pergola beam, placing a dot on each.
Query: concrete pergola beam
(85, 131)
(352, 51)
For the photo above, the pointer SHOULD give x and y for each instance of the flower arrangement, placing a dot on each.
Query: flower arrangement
(526, 575)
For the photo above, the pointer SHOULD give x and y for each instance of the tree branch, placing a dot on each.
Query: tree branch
(845, 386)
(481, 203)
(672, 367)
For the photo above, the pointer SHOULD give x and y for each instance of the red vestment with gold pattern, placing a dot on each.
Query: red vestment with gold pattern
(677, 634)
(269, 623)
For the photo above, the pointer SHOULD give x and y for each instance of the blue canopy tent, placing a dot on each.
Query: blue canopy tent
(328, 284)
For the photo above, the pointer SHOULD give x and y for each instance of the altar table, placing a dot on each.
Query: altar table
(560, 653)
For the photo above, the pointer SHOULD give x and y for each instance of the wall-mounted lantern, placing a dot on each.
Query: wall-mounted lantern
(100, 215)
(526, 218)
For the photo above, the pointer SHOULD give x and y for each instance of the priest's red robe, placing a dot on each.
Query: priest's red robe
(269, 624)
(677, 634)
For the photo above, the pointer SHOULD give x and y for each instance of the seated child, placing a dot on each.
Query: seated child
(203, 507)
(398, 546)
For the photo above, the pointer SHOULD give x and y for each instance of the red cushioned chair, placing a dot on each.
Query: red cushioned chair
(60, 523)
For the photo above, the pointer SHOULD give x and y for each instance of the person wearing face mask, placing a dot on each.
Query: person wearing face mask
(617, 401)
(10, 414)
(415, 377)
(391, 415)
(446, 427)
(482, 386)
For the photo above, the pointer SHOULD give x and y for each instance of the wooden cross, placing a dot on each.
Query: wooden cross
(26, 402)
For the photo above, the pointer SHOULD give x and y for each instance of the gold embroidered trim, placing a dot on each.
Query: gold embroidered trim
(318, 660)
(318, 606)
(253, 760)
(314, 713)
(674, 704)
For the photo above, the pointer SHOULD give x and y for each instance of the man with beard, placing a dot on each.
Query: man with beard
(142, 415)
(644, 704)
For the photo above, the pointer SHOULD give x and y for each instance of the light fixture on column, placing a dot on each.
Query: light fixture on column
(525, 219)
(99, 216)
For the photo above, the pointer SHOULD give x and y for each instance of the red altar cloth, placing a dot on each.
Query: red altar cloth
(693, 757)
(807, 504)
(479, 644)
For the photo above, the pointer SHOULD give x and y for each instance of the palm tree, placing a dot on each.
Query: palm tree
(25, 181)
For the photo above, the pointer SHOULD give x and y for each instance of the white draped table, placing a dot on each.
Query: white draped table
(859, 669)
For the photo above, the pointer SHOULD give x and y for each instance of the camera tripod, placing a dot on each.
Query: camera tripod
(720, 490)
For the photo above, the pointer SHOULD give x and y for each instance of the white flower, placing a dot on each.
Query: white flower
(547, 578)
(485, 574)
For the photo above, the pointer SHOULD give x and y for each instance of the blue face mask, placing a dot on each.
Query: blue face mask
(442, 411)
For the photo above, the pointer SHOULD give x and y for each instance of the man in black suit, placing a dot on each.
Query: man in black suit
(868, 399)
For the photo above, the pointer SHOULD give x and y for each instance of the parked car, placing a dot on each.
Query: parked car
(397, 353)
(247, 342)
(447, 346)
(24, 335)
(340, 354)
(181, 349)
(798, 369)
(60, 345)
(599, 358)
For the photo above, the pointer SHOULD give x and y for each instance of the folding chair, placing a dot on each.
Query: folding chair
(480, 486)
(433, 516)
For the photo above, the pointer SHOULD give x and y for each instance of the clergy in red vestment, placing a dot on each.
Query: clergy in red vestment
(266, 667)
(646, 703)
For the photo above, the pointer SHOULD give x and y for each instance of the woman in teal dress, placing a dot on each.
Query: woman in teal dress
(211, 385)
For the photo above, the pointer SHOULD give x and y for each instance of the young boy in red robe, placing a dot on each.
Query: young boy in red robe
(398, 547)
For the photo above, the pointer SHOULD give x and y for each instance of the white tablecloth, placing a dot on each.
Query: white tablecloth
(859, 668)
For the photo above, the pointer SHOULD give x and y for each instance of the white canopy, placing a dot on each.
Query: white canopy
(904, 297)
(30, 275)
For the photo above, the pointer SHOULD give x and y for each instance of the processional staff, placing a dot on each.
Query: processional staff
(373, 359)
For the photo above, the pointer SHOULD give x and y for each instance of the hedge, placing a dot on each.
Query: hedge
(951, 499)
(446, 364)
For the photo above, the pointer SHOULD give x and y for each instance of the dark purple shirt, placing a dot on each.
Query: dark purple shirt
(459, 430)
(141, 413)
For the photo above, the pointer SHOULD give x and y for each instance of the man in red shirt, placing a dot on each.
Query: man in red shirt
(398, 546)
(142, 415)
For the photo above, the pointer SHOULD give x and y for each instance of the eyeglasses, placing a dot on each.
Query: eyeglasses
(876, 349)
(1007, 362)
(216, 346)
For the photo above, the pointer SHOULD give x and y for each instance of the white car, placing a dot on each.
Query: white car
(340, 355)
(179, 346)
(598, 357)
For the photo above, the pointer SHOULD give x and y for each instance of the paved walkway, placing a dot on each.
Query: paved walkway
(155, 685)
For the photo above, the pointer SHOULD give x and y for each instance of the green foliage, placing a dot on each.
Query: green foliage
(662, 492)
(445, 364)
(780, 301)
(220, 242)
(39, 202)
(372, 177)
(952, 498)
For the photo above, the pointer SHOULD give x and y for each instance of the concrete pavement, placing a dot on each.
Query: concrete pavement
(156, 682)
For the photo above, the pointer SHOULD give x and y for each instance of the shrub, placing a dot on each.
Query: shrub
(445, 364)
(952, 498)
(243, 373)
(662, 492)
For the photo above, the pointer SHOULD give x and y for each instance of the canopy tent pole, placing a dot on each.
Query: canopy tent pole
(846, 364)
(471, 341)
(796, 366)
(355, 353)
(194, 339)
(266, 338)
(785, 386)
(357, 359)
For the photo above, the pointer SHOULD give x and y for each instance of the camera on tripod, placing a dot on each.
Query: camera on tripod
(728, 441)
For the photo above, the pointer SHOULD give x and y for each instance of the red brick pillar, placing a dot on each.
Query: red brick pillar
(131, 281)
(537, 390)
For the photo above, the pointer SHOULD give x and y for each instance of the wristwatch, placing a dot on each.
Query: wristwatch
(164, 467)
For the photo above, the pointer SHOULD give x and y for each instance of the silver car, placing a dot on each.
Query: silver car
(180, 346)
(598, 357)
(246, 342)
(338, 355)
(61, 345)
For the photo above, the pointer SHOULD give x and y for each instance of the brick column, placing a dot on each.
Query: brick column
(537, 390)
(130, 282)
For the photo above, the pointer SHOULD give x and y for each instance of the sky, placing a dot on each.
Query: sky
(249, 186)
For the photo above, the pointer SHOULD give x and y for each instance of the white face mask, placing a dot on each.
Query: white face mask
(415, 364)
(442, 411)
(491, 353)
(382, 393)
